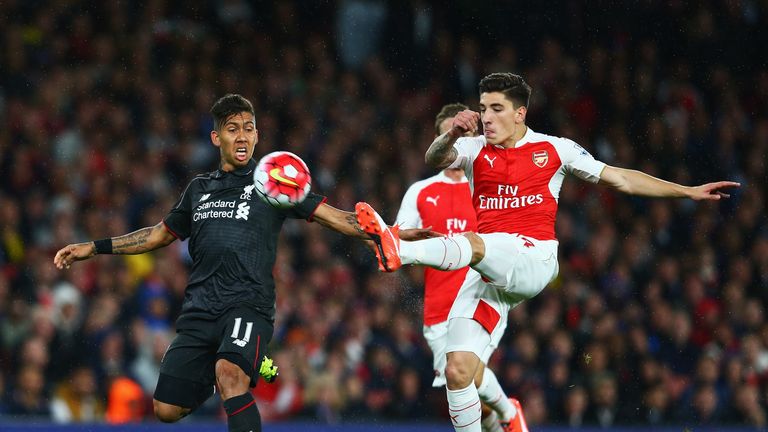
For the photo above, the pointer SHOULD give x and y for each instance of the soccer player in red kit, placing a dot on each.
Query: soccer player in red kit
(515, 175)
(443, 202)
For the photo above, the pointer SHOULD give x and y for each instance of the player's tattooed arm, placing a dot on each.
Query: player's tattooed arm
(441, 152)
(338, 220)
(352, 221)
(140, 241)
(143, 240)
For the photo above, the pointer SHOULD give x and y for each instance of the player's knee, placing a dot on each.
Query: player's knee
(478, 379)
(231, 379)
(459, 372)
(168, 413)
(478, 247)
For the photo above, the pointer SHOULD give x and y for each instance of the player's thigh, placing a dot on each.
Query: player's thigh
(244, 338)
(436, 336)
(496, 335)
(482, 303)
(467, 339)
(521, 266)
(186, 371)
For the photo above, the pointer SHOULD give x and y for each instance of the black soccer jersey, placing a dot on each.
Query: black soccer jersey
(232, 240)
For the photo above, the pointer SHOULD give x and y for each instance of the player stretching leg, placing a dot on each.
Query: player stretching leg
(444, 203)
(227, 317)
(515, 175)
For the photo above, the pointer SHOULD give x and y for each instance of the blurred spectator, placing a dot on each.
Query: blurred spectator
(746, 407)
(656, 407)
(605, 408)
(27, 396)
(126, 402)
(77, 400)
(150, 351)
(703, 409)
(575, 405)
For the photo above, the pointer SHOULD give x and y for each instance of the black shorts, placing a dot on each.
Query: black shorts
(187, 371)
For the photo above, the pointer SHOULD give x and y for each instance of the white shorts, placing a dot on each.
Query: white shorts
(437, 339)
(515, 268)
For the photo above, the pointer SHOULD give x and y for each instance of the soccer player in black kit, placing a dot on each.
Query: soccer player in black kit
(227, 316)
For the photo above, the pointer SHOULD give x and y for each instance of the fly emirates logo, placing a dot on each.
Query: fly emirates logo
(507, 199)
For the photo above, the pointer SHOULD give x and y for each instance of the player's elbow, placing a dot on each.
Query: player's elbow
(434, 162)
(429, 160)
(616, 178)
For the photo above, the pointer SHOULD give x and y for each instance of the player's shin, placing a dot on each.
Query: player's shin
(242, 414)
(493, 395)
(444, 253)
(464, 409)
(490, 422)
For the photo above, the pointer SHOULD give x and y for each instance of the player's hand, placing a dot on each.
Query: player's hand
(711, 191)
(413, 234)
(465, 122)
(74, 252)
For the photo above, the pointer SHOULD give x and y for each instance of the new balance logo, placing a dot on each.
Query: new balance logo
(204, 197)
(236, 332)
(243, 210)
(490, 161)
(433, 200)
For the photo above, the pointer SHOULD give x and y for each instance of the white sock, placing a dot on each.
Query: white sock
(464, 409)
(491, 423)
(493, 395)
(444, 253)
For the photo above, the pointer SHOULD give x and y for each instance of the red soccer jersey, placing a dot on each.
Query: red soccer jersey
(515, 190)
(446, 206)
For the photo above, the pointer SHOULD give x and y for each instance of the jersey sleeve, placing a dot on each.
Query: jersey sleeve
(179, 220)
(467, 148)
(306, 208)
(579, 162)
(408, 216)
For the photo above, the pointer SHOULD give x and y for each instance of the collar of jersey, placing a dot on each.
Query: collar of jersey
(527, 137)
(242, 172)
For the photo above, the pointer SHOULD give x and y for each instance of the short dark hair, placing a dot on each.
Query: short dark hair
(229, 105)
(448, 111)
(511, 85)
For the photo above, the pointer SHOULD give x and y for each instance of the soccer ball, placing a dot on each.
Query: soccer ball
(282, 179)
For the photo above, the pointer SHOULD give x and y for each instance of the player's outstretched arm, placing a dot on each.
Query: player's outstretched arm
(441, 153)
(140, 241)
(635, 182)
(346, 223)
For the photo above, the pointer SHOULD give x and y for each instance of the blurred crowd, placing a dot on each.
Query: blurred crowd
(658, 315)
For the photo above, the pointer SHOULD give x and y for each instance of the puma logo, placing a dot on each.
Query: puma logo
(490, 161)
(433, 200)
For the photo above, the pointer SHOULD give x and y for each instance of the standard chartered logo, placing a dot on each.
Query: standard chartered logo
(243, 209)
(221, 209)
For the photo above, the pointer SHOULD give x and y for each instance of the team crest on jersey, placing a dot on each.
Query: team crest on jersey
(540, 158)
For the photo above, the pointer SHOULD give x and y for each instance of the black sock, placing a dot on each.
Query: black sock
(242, 414)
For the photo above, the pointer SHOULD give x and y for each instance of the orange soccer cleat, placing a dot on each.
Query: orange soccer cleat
(386, 238)
(516, 423)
